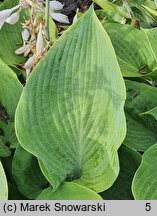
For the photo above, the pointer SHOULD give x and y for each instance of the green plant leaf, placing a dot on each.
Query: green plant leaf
(115, 12)
(141, 129)
(10, 37)
(69, 191)
(136, 50)
(70, 110)
(10, 91)
(3, 184)
(152, 112)
(150, 10)
(27, 174)
(121, 189)
(13, 192)
(147, 20)
(5, 151)
(144, 185)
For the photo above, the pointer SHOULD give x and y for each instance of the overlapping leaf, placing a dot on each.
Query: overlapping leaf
(70, 115)
(136, 50)
(13, 192)
(141, 129)
(27, 174)
(121, 189)
(69, 191)
(3, 184)
(10, 91)
(112, 10)
(5, 151)
(144, 185)
(152, 112)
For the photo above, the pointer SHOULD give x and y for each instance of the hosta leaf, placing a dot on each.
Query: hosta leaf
(27, 174)
(121, 189)
(69, 191)
(152, 32)
(10, 37)
(136, 51)
(152, 112)
(146, 19)
(5, 151)
(3, 184)
(10, 91)
(13, 192)
(112, 10)
(141, 129)
(144, 184)
(150, 10)
(70, 110)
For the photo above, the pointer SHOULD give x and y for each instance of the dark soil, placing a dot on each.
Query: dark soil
(70, 7)
(3, 114)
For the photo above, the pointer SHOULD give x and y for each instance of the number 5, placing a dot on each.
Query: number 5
(148, 207)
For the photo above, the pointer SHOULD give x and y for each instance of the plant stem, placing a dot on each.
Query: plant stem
(47, 31)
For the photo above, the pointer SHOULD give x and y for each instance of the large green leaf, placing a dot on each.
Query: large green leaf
(3, 184)
(136, 50)
(10, 37)
(71, 107)
(144, 184)
(121, 189)
(141, 129)
(27, 174)
(10, 91)
(69, 191)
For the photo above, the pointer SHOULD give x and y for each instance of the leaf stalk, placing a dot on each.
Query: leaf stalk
(47, 14)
